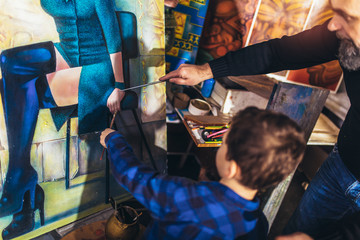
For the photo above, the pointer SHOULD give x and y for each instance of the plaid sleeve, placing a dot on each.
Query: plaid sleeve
(154, 190)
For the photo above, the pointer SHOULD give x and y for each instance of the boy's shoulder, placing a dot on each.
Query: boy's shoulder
(259, 232)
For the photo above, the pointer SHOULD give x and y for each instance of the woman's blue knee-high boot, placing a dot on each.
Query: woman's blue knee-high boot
(21, 68)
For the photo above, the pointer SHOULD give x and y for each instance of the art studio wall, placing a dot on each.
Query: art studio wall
(233, 24)
(51, 172)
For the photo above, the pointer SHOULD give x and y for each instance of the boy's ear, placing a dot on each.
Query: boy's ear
(234, 170)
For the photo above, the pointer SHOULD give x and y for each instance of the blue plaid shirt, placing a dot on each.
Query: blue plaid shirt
(182, 208)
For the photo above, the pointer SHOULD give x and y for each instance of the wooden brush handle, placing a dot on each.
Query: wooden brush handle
(111, 125)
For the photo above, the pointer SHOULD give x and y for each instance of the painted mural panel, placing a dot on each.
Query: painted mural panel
(152, 97)
(227, 26)
(59, 62)
(151, 27)
(327, 75)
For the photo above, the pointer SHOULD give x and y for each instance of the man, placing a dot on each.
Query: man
(334, 192)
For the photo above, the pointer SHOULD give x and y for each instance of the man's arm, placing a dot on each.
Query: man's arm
(308, 48)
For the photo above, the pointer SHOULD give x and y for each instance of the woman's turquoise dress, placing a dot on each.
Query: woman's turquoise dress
(88, 32)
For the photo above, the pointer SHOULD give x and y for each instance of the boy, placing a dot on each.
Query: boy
(260, 149)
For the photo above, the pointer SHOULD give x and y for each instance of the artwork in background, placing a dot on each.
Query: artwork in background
(226, 28)
(277, 18)
(253, 21)
(190, 17)
(50, 169)
(327, 75)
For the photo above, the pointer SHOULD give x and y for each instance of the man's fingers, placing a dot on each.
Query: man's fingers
(172, 74)
(181, 81)
(178, 81)
(166, 77)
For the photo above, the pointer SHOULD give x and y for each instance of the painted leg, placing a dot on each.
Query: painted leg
(21, 68)
(24, 221)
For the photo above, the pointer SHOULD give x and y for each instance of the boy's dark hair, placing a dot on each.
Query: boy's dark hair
(267, 146)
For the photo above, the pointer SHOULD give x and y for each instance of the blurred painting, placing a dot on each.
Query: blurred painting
(327, 75)
(190, 17)
(233, 24)
(226, 28)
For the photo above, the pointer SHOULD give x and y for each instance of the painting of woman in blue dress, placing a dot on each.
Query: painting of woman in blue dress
(83, 73)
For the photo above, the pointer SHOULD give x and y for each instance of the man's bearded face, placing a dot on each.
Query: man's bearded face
(349, 55)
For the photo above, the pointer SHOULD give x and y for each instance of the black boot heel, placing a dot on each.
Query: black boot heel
(39, 203)
(22, 222)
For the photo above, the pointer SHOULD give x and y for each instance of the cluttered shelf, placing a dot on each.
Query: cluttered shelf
(325, 132)
(235, 93)
(232, 94)
(205, 131)
(210, 134)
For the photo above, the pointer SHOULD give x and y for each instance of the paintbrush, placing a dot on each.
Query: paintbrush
(111, 125)
(126, 89)
(144, 85)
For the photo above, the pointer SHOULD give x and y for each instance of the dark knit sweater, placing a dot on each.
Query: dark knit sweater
(312, 47)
